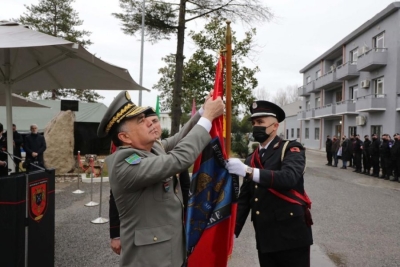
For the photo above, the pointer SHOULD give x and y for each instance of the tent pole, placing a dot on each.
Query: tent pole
(10, 147)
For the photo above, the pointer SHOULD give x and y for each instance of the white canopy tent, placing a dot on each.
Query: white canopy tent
(33, 61)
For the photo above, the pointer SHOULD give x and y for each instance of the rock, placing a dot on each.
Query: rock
(59, 135)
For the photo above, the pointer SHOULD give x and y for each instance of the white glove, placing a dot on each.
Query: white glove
(236, 166)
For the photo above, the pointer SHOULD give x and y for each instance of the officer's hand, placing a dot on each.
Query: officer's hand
(236, 166)
(213, 108)
(115, 245)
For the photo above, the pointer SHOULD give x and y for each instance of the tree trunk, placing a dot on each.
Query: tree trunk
(177, 92)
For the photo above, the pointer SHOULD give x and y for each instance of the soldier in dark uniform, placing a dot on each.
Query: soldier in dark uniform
(374, 153)
(384, 153)
(366, 155)
(3, 156)
(273, 190)
(328, 147)
(357, 151)
(394, 158)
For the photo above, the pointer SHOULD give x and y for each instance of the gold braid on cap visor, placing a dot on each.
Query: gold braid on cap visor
(119, 116)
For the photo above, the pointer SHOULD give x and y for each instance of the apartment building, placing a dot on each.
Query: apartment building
(354, 87)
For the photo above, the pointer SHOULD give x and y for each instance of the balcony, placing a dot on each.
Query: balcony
(309, 114)
(309, 87)
(347, 71)
(371, 103)
(325, 111)
(372, 59)
(346, 107)
(301, 115)
(301, 91)
(327, 81)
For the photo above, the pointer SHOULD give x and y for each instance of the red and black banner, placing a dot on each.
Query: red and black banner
(40, 222)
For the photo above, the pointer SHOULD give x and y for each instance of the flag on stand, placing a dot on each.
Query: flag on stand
(158, 106)
(193, 107)
(209, 231)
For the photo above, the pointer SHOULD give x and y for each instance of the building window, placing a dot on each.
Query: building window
(352, 130)
(378, 87)
(338, 96)
(298, 132)
(287, 133)
(339, 62)
(376, 129)
(308, 105)
(318, 74)
(308, 80)
(353, 93)
(354, 56)
(317, 102)
(379, 41)
(292, 133)
(307, 133)
(316, 134)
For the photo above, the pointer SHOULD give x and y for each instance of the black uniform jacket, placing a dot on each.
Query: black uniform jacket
(279, 225)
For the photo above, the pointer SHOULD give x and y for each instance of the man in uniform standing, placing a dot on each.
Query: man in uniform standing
(273, 189)
(366, 155)
(328, 147)
(17, 142)
(142, 178)
(357, 151)
(384, 153)
(394, 158)
(374, 152)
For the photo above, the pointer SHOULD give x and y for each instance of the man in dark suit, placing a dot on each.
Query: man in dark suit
(34, 146)
(366, 155)
(357, 152)
(17, 142)
(273, 190)
(142, 178)
(3, 156)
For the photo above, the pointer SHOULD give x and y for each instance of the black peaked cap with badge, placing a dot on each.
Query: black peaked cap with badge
(121, 108)
(264, 108)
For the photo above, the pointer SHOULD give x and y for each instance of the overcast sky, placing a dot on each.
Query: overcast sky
(301, 31)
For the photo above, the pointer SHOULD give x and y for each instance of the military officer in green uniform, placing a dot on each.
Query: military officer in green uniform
(142, 178)
(273, 191)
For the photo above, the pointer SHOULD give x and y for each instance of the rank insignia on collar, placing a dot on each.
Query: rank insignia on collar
(294, 149)
(276, 145)
(133, 159)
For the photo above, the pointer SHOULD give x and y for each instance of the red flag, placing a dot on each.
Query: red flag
(193, 107)
(215, 245)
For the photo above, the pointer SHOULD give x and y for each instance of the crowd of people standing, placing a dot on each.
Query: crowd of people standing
(379, 158)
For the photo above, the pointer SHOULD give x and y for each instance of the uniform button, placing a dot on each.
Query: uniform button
(176, 191)
(155, 238)
(257, 212)
(256, 186)
(256, 199)
(291, 214)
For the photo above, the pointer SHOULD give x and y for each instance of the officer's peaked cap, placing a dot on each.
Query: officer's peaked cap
(264, 108)
(121, 108)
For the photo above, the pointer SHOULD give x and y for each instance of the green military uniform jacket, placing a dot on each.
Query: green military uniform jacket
(149, 198)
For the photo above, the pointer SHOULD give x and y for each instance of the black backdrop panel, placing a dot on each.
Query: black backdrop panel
(12, 216)
(41, 219)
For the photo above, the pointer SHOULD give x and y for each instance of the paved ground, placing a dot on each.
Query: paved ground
(356, 222)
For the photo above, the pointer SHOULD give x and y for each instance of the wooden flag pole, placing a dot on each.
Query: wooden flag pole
(228, 93)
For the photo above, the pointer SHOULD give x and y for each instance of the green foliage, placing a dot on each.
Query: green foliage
(164, 133)
(239, 145)
(59, 19)
(164, 18)
(199, 70)
(254, 146)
